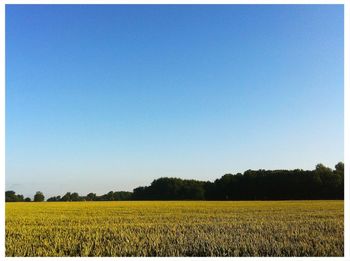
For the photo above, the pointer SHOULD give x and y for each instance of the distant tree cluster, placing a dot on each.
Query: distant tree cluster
(110, 196)
(11, 196)
(320, 183)
(39, 197)
(172, 189)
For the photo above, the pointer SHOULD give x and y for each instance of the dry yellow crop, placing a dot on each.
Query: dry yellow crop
(178, 228)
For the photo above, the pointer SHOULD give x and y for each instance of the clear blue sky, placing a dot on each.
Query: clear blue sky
(102, 98)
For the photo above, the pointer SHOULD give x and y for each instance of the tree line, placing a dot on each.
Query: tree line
(11, 196)
(320, 183)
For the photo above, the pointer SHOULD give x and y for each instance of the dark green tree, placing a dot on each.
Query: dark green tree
(39, 196)
(91, 197)
(11, 196)
(66, 197)
(74, 197)
(339, 168)
(57, 198)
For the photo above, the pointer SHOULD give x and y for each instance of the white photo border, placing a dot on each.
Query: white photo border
(346, 159)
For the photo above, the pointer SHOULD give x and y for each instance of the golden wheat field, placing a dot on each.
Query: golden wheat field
(179, 228)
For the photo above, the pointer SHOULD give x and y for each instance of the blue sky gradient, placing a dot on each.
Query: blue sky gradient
(102, 98)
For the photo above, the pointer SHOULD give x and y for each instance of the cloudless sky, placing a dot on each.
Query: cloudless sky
(102, 98)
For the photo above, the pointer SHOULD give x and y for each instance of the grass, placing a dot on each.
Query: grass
(177, 228)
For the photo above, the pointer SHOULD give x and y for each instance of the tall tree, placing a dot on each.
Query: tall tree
(39, 196)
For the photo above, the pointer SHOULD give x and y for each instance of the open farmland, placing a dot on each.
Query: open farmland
(175, 228)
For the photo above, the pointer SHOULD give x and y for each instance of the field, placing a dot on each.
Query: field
(179, 228)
